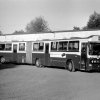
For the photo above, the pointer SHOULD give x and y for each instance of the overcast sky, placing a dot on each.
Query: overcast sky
(60, 14)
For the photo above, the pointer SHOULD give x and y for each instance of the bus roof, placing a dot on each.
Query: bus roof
(51, 35)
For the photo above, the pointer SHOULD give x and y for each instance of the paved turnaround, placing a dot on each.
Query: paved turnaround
(26, 82)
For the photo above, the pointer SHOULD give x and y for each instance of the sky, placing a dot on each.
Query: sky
(60, 14)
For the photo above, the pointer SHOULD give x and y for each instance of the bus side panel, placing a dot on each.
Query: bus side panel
(59, 62)
(21, 58)
(75, 59)
(40, 56)
(8, 56)
(47, 60)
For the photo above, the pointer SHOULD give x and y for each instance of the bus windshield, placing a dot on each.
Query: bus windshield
(94, 49)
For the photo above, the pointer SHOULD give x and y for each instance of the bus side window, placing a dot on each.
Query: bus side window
(54, 46)
(62, 46)
(73, 46)
(41, 46)
(8, 47)
(21, 46)
(35, 46)
(2, 47)
(38, 46)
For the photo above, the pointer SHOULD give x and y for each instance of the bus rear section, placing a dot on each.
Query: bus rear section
(6, 52)
(13, 52)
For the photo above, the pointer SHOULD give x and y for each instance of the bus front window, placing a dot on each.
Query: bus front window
(94, 49)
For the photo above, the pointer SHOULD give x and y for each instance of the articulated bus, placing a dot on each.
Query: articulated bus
(74, 53)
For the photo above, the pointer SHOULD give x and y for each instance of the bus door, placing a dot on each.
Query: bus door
(47, 54)
(15, 52)
(83, 56)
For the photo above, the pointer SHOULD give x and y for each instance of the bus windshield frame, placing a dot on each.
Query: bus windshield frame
(94, 48)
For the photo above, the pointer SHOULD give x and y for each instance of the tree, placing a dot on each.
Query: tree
(37, 25)
(19, 32)
(84, 28)
(76, 28)
(94, 21)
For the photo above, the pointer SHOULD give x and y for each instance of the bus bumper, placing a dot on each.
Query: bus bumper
(93, 67)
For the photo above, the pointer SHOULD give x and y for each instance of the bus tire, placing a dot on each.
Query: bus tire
(2, 60)
(38, 63)
(71, 67)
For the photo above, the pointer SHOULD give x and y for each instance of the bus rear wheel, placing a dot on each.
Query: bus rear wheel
(38, 63)
(71, 66)
(2, 60)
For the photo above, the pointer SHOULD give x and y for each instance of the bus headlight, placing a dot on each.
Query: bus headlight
(94, 61)
(90, 64)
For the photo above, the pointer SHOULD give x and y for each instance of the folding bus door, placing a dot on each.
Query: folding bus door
(15, 46)
(47, 54)
(83, 56)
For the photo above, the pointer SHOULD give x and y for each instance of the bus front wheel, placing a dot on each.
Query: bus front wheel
(71, 66)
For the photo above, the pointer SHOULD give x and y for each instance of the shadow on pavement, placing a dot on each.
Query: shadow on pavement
(6, 66)
(55, 67)
(92, 71)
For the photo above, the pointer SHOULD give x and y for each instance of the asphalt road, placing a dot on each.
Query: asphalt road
(27, 82)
